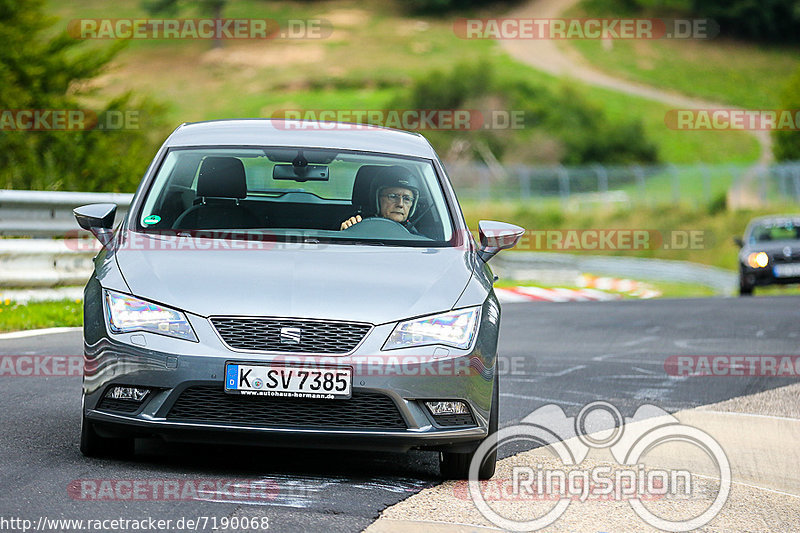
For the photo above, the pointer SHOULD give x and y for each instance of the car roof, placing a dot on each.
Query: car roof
(794, 219)
(300, 133)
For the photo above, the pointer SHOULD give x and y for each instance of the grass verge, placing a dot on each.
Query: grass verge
(35, 315)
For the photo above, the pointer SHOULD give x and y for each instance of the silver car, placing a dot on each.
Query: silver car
(293, 284)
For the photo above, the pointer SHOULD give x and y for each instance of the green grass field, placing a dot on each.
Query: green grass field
(721, 70)
(715, 244)
(34, 315)
(260, 78)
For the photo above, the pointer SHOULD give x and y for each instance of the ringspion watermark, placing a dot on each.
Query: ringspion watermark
(629, 439)
(584, 28)
(198, 28)
(71, 120)
(733, 119)
(404, 119)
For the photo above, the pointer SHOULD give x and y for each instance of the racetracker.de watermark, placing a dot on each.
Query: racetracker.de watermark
(169, 490)
(403, 119)
(778, 366)
(584, 28)
(41, 365)
(612, 239)
(71, 120)
(589, 240)
(435, 364)
(733, 119)
(199, 28)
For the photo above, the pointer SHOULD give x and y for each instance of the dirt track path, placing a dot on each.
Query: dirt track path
(545, 55)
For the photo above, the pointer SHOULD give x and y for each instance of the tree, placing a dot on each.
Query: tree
(38, 72)
(786, 145)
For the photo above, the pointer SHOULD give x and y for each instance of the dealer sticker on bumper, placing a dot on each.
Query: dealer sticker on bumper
(288, 381)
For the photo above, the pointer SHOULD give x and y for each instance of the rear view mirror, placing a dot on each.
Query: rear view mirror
(300, 173)
(738, 241)
(97, 218)
(496, 236)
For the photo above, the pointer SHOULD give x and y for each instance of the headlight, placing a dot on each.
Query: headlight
(454, 328)
(126, 313)
(758, 260)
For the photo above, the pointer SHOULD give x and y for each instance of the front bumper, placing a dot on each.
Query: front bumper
(765, 276)
(407, 377)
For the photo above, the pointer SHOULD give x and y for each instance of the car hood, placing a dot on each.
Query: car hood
(375, 284)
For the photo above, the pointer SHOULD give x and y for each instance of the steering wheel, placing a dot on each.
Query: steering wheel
(373, 223)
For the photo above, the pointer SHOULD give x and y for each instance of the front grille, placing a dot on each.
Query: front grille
(454, 420)
(264, 334)
(122, 406)
(780, 258)
(209, 403)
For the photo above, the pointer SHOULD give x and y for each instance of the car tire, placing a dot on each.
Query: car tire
(93, 445)
(745, 289)
(454, 465)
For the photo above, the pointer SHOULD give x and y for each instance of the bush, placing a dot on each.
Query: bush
(558, 127)
(786, 145)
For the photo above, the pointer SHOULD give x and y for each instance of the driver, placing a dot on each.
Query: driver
(395, 198)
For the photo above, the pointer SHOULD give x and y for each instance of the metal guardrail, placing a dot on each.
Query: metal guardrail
(46, 262)
(59, 262)
(49, 213)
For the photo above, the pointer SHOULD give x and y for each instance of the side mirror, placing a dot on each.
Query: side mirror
(496, 236)
(97, 218)
(738, 241)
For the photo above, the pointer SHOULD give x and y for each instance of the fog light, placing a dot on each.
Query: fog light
(447, 408)
(135, 394)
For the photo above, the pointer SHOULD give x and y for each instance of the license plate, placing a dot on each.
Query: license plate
(790, 270)
(288, 381)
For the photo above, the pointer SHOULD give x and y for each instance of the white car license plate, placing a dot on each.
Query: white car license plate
(288, 381)
(787, 271)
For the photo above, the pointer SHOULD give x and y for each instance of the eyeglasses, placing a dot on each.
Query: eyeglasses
(393, 197)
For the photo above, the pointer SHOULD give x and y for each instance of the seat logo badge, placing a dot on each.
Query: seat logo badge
(290, 335)
(787, 252)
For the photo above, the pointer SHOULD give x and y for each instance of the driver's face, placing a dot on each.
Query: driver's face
(393, 205)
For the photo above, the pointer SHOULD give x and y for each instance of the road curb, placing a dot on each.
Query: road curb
(762, 451)
(36, 332)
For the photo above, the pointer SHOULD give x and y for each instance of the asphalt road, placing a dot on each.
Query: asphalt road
(567, 354)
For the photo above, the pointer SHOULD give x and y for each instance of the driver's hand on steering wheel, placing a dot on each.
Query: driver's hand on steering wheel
(350, 221)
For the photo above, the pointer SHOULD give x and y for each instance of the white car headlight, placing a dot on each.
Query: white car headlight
(126, 314)
(454, 328)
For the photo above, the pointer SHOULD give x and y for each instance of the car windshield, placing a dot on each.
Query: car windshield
(775, 230)
(337, 196)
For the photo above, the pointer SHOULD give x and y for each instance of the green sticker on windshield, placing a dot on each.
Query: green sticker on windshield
(151, 219)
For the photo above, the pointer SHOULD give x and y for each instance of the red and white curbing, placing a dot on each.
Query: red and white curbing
(592, 290)
(628, 286)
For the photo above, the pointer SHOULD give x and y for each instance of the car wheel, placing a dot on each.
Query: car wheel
(93, 445)
(745, 289)
(456, 465)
